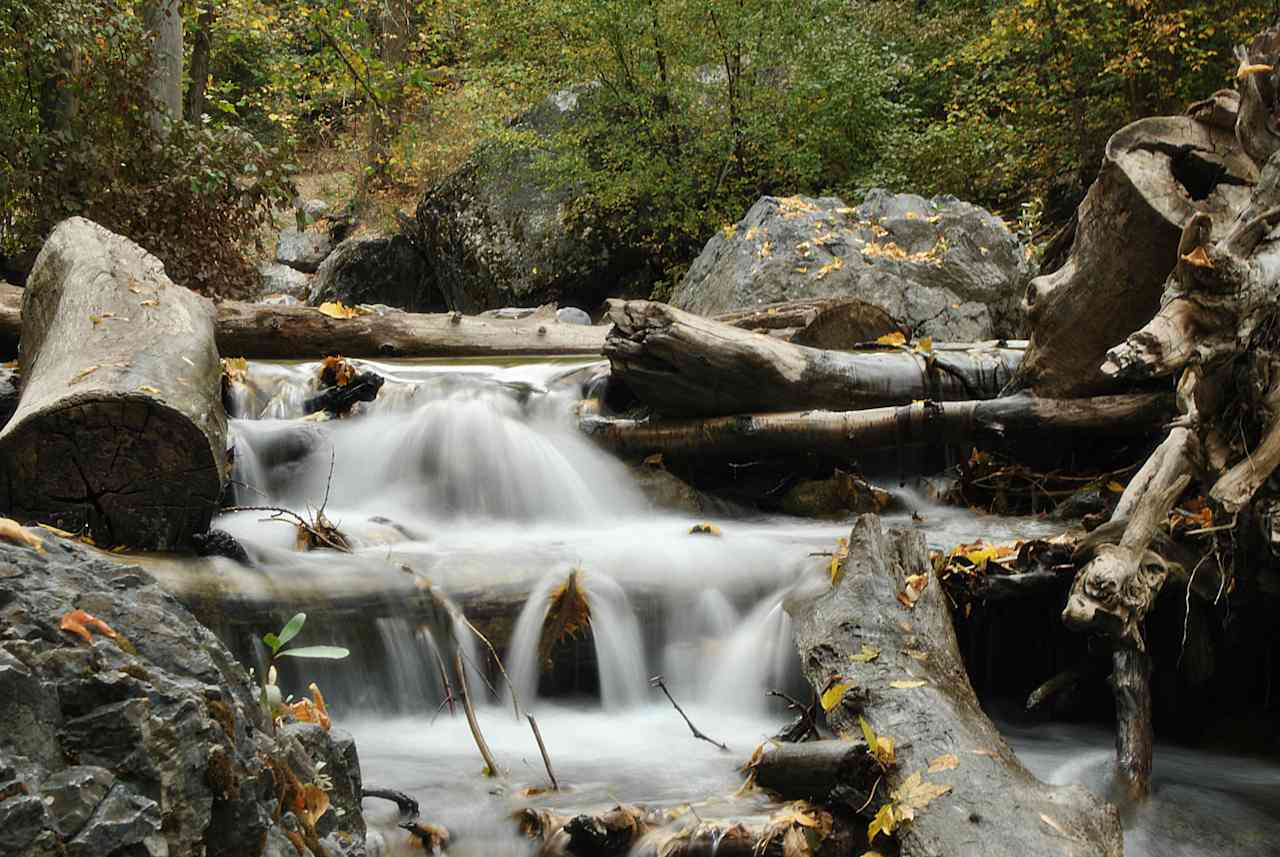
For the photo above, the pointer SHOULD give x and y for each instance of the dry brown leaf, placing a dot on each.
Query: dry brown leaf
(79, 622)
(654, 460)
(1198, 258)
(11, 531)
(945, 762)
(915, 585)
(1250, 69)
(315, 803)
(794, 843)
(568, 615)
(866, 654)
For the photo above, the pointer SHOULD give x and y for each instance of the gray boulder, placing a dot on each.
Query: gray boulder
(303, 251)
(499, 231)
(942, 267)
(149, 743)
(387, 271)
(280, 279)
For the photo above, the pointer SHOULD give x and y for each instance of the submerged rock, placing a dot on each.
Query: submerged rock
(945, 268)
(151, 742)
(499, 231)
(387, 271)
(840, 495)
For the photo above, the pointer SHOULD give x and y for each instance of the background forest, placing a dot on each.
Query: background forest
(696, 108)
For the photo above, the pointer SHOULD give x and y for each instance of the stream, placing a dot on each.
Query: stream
(474, 478)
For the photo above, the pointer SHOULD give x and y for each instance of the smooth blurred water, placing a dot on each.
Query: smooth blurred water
(475, 478)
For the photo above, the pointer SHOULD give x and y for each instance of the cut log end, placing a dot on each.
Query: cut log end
(127, 470)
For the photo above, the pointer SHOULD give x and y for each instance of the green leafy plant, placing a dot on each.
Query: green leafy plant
(271, 697)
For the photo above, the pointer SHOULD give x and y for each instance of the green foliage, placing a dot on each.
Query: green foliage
(77, 137)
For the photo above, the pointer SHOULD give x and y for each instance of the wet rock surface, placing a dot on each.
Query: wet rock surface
(943, 267)
(151, 742)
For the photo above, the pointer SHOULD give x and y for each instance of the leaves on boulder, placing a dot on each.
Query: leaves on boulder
(915, 585)
(945, 762)
(866, 654)
(79, 622)
(13, 532)
(838, 558)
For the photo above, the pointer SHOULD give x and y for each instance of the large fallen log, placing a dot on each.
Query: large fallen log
(1156, 174)
(262, 332)
(880, 648)
(119, 429)
(991, 424)
(682, 364)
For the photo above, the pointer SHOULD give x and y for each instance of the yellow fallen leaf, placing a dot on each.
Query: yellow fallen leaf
(56, 531)
(1250, 69)
(704, 529)
(945, 762)
(925, 345)
(884, 822)
(832, 695)
(654, 460)
(866, 654)
(916, 793)
(336, 309)
(836, 568)
(895, 338)
(906, 684)
(1115, 487)
(151, 302)
(1198, 258)
(916, 654)
(916, 584)
(11, 531)
(84, 373)
(316, 802)
(151, 391)
(881, 747)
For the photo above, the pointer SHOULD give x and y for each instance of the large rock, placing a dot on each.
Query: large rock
(149, 744)
(303, 251)
(280, 279)
(387, 271)
(942, 267)
(498, 232)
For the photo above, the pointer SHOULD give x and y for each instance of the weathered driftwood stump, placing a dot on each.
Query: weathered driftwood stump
(1217, 331)
(879, 646)
(120, 428)
(1156, 174)
(682, 364)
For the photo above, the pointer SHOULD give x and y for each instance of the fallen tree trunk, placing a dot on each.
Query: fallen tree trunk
(264, 332)
(686, 365)
(827, 772)
(120, 428)
(1156, 174)
(833, 323)
(994, 423)
(898, 668)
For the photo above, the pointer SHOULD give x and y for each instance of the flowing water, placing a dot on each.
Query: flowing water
(473, 479)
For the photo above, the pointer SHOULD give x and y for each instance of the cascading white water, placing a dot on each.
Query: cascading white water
(475, 478)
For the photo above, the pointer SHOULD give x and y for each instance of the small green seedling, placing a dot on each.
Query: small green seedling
(271, 696)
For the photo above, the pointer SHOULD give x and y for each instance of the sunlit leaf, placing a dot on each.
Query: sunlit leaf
(906, 684)
(895, 338)
(292, 627)
(333, 653)
(11, 531)
(832, 695)
(945, 762)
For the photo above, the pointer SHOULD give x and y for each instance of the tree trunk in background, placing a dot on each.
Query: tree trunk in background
(163, 18)
(119, 430)
(58, 102)
(390, 21)
(201, 48)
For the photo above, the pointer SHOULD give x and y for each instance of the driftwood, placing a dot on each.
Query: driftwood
(993, 423)
(262, 332)
(120, 428)
(826, 772)
(832, 323)
(1156, 174)
(682, 364)
(898, 668)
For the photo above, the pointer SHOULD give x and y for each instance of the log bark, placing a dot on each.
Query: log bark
(278, 332)
(120, 428)
(826, 772)
(994, 805)
(990, 424)
(1156, 174)
(832, 323)
(681, 364)
(1135, 739)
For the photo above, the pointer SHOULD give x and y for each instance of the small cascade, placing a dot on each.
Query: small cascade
(759, 656)
(414, 684)
(695, 636)
(522, 653)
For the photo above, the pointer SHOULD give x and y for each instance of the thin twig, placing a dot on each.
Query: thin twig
(542, 748)
(805, 712)
(658, 682)
(355, 74)
(481, 745)
(408, 805)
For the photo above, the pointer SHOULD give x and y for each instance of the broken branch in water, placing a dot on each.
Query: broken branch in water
(318, 533)
(658, 682)
(542, 748)
(491, 767)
